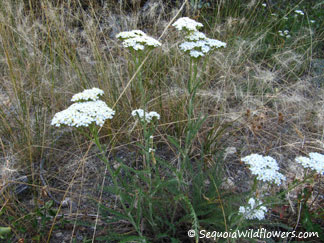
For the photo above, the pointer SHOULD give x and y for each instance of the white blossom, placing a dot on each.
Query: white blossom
(188, 24)
(84, 114)
(254, 210)
(130, 34)
(137, 40)
(196, 54)
(314, 162)
(144, 115)
(88, 94)
(196, 35)
(197, 44)
(265, 168)
(284, 33)
(299, 12)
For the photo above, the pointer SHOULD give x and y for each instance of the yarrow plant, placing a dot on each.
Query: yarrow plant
(196, 44)
(88, 94)
(284, 33)
(147, 116)
(265, 168)
(82, 114)
(187, 24)
(314, 162)
(137, 40)
(254, 210)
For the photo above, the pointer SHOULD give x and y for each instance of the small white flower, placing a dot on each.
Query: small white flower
(265, 168)
(88, 94)
(284, 33)
(187, 24)
(254, 210)
(195, 36)
(299, 12)
(215, 43)
(144, 115)
(187, 46)
(314, 162)
(151, 150)
(264, 4)
(312, 21)
(196, 54)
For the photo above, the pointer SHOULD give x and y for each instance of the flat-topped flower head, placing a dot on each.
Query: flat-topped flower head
(130, 34)
(314, 162)
(198, 45)
(265, 168)
(83, 114)
(187, 24)
(144, 115)
(87, 95)
(137, 40)
(195, 36)
(254, 210)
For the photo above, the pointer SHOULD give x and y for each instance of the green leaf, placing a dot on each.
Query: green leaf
(175, 143)
(4, 230)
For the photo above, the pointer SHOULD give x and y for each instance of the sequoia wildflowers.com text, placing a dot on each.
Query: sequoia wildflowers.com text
(252, 233)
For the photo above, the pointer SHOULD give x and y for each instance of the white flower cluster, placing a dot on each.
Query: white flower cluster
(187, 24)
(88, 94)
(284, 33)
(144, 115)
(196, 44)
(265, 168)
(137, 40)
(199, 44)
(84, 113)
(299, 12)
(254, 210)
(314, 162)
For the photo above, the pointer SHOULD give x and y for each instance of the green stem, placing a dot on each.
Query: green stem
(103, 158)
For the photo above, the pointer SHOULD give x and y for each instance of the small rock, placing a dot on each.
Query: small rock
(59, 235)
(228, 184)
(229, 151)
